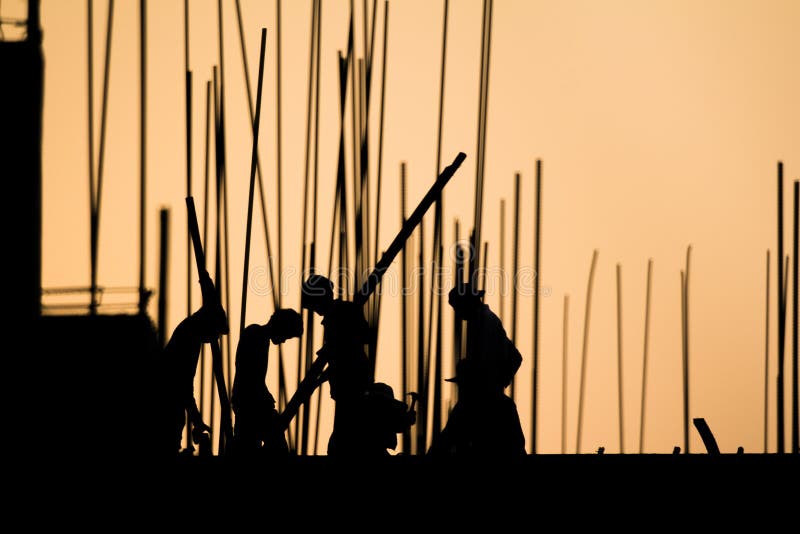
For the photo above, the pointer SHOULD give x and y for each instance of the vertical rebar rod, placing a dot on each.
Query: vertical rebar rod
(501, 296)
(686, 351)
(163, 276)
(537, 263)
(795, 416)
(644, 354)
(515, 270)
(90, 143)
(564, 353)
(486, 38)
(585, 350)
(422, 389)
(766, 362)
(404, 307)
(278, 158)
(101, 153)
(619, 361)
(142, 154)
(781, 317)
(303, 449)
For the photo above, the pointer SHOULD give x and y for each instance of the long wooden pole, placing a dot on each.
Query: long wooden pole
(188, 123)
(585, 350)
(217, 242)
(188, 117)
(261, 188)
(394, 248)
(216, 353)
(206, 166)
(251, 194)
(222, 166)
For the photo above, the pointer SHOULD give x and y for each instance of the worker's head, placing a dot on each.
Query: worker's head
(285, 324)
(317, 294)
(466, 299)
(212, 320)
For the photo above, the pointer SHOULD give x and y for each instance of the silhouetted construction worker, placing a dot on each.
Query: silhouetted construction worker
(345, 335)
(384, 418)
(484, 421)
(257, 428)
(180, 357)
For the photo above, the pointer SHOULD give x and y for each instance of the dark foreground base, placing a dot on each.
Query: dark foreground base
(608, 490)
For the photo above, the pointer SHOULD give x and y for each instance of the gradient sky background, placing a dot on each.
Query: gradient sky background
(659, 125)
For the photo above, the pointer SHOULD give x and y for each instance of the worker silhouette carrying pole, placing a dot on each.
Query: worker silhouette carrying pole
(350, 330)
(213, 322)
(179, 359)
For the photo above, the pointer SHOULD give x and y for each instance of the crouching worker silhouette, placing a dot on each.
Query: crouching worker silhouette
(484, 422)
(384, 418)
(179, 358)
(257, 428)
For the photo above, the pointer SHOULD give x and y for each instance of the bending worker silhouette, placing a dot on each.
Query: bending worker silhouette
(257, 427)
(484, 422)
(180, 358)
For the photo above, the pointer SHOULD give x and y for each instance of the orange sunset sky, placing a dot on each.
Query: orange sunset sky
(659, 125)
